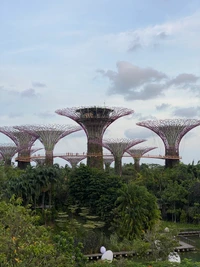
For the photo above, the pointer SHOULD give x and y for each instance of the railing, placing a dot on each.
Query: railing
(187, 240)
(94, 155)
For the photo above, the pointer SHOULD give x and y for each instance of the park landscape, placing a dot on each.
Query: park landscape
(99, 133)
(59, 215)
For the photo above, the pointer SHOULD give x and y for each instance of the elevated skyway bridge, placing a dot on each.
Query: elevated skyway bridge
(106, 155)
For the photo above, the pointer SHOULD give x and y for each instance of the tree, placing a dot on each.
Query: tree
(94, 189)
(24, 243)
(174, 196)
(136, 211)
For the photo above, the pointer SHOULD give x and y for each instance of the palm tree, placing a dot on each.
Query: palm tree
(136, 211)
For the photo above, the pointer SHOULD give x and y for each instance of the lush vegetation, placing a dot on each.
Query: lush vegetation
(53, 216)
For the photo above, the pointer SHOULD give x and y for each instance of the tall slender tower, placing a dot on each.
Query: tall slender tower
(23, 141)
(118, 147)
(7, 151)
(171, 131)
(137, 153)
(49, 135)
(94, 121)
(73, 159)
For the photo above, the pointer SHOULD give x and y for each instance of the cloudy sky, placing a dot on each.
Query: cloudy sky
(142, 55)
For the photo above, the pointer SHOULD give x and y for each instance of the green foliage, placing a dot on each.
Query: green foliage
(161, 242)
(23, 243)
(136, 211)
(65, 245)
(95, 190)
(119, 244)
(36, 186)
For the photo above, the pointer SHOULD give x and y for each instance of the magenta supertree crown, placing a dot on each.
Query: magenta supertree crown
(139, 151)
(94, 120)
(171, 131)
(49, 135)
(20, 138)
(118, 147)
(23, 140)
(7, 151)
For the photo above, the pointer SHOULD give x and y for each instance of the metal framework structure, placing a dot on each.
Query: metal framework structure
(171, 131)
(94, 121)
(7, 152)
(118, 147)
(23, 140)
(49, 135)
(73, 160)
(137, 153)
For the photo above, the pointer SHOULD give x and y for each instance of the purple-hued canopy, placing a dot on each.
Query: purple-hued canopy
(171, 131)
(94, 120)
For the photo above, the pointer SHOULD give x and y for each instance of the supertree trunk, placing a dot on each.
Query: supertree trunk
(95, 155)
(107, 166)
(7, 162)
(137, 164)
(171, 162)
(22, 164)
(49, 158)
(118, 166)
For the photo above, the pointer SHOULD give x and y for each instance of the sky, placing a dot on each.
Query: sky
(143, 55)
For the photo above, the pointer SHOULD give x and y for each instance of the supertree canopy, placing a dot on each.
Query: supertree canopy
(171, 131)
(94, 121)
(7, 151)
(23, 141)
(49, 135)
(118, 147)
(73, 159)
(137, 153)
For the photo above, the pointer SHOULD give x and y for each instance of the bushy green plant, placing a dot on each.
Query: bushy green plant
(24, 243)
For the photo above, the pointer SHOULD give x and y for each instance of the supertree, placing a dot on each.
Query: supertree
(7, 152)
(118, 147)
(23, 141)
(171, 131)
(49, 135)
(73, 159)
(94, 121)
(107, 160)
(137, 153)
